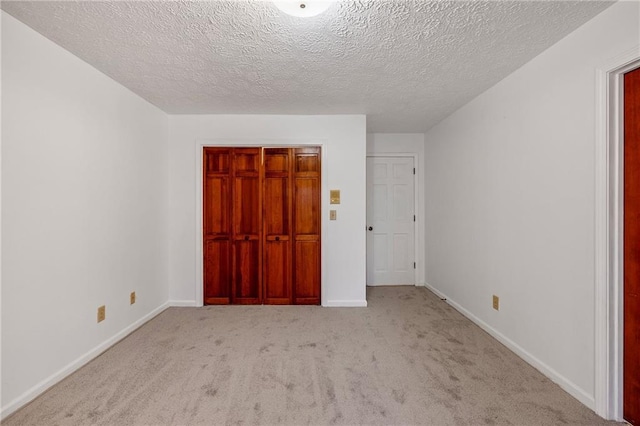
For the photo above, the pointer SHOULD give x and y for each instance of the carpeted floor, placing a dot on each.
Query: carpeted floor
(407, 359)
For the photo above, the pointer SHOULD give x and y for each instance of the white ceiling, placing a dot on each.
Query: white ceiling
(407, 64)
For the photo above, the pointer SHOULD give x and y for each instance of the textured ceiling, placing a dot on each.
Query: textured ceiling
(406, 64)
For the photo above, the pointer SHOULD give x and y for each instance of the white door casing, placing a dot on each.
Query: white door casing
(609, 232)
(390, 221)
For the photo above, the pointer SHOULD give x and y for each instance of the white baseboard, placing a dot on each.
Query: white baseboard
(184, 303)
(345, 304)
(570, 387)
(38, 389)
(435, 291)
(421, 284)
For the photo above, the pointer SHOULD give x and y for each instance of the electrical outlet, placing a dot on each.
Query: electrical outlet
(132, 298)
(333, 214)
(101, 313)
(496, 302)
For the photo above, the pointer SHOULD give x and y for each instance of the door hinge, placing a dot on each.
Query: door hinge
(414, 265)
(414, 217)
(414, 170)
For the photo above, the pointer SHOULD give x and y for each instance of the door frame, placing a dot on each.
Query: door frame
(609, 232)
(200, 144)
(417, 252)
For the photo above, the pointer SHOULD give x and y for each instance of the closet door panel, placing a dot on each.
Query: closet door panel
(307, 206)
(277, 226)
(246, 288)
(307, 161)
(216, 225)
(246, 219)
(246, 206)
(246, 161)
(217, 160)
(307, 272)
(216, 213)
(276, 160)
(277, 277)
(217, 272)
(306, 228)
(276, 207)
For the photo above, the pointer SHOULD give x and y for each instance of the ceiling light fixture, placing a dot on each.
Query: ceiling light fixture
(303, 8)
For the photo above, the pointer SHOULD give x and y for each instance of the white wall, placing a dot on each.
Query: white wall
(84, 212)
(343, 140)
(510, 202)
(410, 144)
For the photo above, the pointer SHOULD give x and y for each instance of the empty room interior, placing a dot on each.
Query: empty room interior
(320, 212)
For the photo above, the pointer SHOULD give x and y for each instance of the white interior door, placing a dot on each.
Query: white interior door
(390, 221)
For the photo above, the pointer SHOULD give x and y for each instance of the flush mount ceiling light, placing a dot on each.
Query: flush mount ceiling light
(303, 8)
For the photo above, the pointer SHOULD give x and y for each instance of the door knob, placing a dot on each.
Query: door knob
(277, 238)
(371, 228)
(246, 238)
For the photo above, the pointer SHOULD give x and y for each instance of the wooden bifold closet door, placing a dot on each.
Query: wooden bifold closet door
(277, 226)
(261, 225)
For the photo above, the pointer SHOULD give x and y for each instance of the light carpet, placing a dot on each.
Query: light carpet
(407, 359)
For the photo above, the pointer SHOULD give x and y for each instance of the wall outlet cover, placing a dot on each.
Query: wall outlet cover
(334, 196)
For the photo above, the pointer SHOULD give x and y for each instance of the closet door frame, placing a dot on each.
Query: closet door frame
(200, 144)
